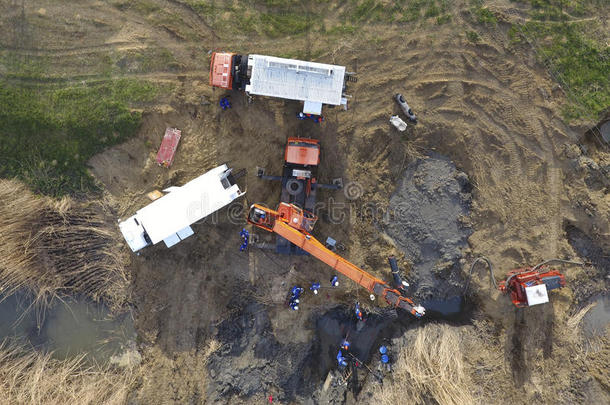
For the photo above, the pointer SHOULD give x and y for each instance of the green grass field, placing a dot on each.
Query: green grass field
(565, 38)
(49, 134)
(51, 123)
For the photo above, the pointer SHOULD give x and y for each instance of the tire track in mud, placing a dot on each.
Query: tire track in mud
(188, 14)
(479, 88)
(554, 176)
(102, 78)
(516, 162)
(78, 51)
(481, 115)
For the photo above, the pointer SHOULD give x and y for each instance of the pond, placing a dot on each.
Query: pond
(69, 327)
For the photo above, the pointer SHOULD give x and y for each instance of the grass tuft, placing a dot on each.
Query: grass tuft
(33, 378)
(473, 36)
(429, 370)
(58, 247)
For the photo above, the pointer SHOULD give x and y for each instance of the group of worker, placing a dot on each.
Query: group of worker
(342, 360)
(384, 358)
(295, 295)
(296, 291)
(315, 118)
(245, 238)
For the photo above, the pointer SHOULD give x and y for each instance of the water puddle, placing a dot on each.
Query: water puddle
(441, 309)
(70, 327)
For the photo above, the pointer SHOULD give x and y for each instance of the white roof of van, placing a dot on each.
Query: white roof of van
(295, 79)
(187, 204)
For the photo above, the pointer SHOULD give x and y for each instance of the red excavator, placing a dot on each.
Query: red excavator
(296, 224)
(529, 286)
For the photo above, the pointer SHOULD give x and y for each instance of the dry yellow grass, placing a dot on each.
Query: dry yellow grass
(50, 246)
(33, 378)
(431, 367)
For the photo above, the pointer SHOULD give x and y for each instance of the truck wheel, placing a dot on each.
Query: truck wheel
(294, 187)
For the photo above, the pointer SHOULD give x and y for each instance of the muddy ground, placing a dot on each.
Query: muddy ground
(488, 110)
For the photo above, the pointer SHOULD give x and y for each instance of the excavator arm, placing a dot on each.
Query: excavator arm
(294, 224)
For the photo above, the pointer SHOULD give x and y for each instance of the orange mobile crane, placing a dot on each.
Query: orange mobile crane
(295, 225)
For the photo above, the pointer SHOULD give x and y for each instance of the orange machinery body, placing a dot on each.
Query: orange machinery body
(295, 225)
(221, 70)
(299, 185)
(519, 281)
(302, 151)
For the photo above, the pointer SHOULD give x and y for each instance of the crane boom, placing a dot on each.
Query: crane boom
(294, 224)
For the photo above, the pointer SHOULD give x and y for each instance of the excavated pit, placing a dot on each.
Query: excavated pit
(252, 361)
(429, 225)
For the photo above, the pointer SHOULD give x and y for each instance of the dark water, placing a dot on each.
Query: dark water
(70, 327)
(441, 309)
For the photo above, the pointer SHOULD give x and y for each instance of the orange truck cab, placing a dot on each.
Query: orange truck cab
(302, 151)
(299, 184)
(228, 71)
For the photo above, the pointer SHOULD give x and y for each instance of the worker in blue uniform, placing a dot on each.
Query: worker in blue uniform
(342, 361)
(245, 236)
(296, 291)
(224, 103)
(358, 312)
(315, 287)
(334, 281)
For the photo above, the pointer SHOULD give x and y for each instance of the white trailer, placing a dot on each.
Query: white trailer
(168, 219)
(312, 83)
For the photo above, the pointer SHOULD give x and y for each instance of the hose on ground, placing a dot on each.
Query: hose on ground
(492, 280)
(536, 267)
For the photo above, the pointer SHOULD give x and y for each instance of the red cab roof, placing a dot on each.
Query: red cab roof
(221, 69)
(303, 151)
